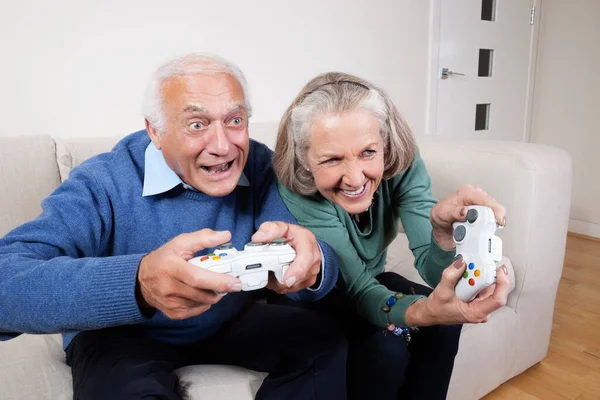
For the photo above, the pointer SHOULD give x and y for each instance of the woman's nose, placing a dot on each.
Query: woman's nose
(354, 176)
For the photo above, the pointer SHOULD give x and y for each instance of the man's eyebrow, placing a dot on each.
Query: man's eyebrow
(236, 107)
(192, 109)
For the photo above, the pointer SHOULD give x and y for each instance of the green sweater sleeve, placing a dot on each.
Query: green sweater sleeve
(365, 292)
(414, 202)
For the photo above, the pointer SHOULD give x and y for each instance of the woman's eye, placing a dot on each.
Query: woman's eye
(329, 161)
(369, 153)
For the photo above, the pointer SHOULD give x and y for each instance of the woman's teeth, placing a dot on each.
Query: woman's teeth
(355, 192)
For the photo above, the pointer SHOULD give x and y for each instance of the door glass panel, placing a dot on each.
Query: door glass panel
(482, 117)
(486, 59)
(488, 10)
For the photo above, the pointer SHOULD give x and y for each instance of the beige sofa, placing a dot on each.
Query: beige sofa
(532, 181)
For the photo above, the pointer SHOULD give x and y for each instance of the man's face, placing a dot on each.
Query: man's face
(205, 135)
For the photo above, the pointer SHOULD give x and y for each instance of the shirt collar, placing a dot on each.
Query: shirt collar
(159, 178)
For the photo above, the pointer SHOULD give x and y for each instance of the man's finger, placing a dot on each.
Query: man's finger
(271, 230)
(187, 245)
(201, 278)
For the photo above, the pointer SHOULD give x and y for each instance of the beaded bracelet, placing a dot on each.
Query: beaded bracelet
(398, 331)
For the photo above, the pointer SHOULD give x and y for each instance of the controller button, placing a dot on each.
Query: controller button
(222, 254)
(226, 246)
(459, 233)
(477, 272)
(203, 258)
(471, 265)
(472, 215)
(466, 274)
(255, 244)
(279, 241)
(211, 254)
(216, 258)
(472, 282)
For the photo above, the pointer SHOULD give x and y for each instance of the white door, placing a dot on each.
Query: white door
(483, 68)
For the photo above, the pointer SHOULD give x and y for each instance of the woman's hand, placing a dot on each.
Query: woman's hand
(442, 307)
(454, 209)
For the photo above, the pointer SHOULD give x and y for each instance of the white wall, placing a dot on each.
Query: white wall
(567, 99)
(79, 68)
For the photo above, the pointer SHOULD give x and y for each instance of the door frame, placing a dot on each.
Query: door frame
(433, 72)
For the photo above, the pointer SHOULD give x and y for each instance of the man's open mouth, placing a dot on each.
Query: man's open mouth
(215, 169)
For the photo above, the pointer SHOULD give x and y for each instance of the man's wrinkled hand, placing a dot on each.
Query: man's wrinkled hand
(177, 288)
(305, 268)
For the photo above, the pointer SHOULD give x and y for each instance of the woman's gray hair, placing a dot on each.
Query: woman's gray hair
(336, 93)
(188, 64)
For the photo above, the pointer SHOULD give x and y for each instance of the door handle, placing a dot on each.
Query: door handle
(446, 73)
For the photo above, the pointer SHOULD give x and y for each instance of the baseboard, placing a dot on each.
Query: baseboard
(584, 228)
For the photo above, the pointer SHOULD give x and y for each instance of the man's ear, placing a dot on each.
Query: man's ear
(153, 133)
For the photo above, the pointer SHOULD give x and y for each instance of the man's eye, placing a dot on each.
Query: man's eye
(236, 121)
(196, 125)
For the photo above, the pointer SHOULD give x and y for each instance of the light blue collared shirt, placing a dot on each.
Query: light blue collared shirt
(160, 178)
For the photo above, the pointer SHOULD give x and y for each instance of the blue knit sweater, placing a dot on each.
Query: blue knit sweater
(75, 267)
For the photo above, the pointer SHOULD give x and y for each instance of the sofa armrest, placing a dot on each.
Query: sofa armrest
(534, 183)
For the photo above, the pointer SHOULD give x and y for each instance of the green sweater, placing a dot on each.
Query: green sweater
(407, 198)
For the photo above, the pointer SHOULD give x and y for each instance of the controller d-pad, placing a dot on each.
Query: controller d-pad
(472, 215)
(459, 233)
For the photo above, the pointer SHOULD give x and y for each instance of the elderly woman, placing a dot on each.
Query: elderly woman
(350, 171)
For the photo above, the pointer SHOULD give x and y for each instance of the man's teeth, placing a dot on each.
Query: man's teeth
(354, 193)
(217, 168)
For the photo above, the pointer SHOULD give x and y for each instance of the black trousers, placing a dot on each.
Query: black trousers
(304, 353)
(383, 366)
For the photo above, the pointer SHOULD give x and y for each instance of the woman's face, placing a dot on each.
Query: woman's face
(345, 156)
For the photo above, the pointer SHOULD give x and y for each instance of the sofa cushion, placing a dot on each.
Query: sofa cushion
(33, 367)
(218, 382)
(73, 151)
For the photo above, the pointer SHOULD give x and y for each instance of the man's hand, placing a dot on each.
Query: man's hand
(303, 271)
(442, 307)
(178, 289)
(454, 209)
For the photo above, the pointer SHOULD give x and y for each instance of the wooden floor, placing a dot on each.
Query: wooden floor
(572, 368)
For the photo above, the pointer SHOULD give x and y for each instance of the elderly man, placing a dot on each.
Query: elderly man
(106, 261)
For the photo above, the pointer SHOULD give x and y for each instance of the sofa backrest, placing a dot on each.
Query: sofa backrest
(28, 173)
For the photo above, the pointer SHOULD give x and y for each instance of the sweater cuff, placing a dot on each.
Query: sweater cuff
(439, 255)
(398, 311)
(328, 274)
(112, 291)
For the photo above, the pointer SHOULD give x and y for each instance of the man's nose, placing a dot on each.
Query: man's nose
(219, 142)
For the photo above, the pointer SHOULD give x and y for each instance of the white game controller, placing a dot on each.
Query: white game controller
(480, 248)
(252, 265)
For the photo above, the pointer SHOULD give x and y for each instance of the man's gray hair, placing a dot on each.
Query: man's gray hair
(188, 64)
